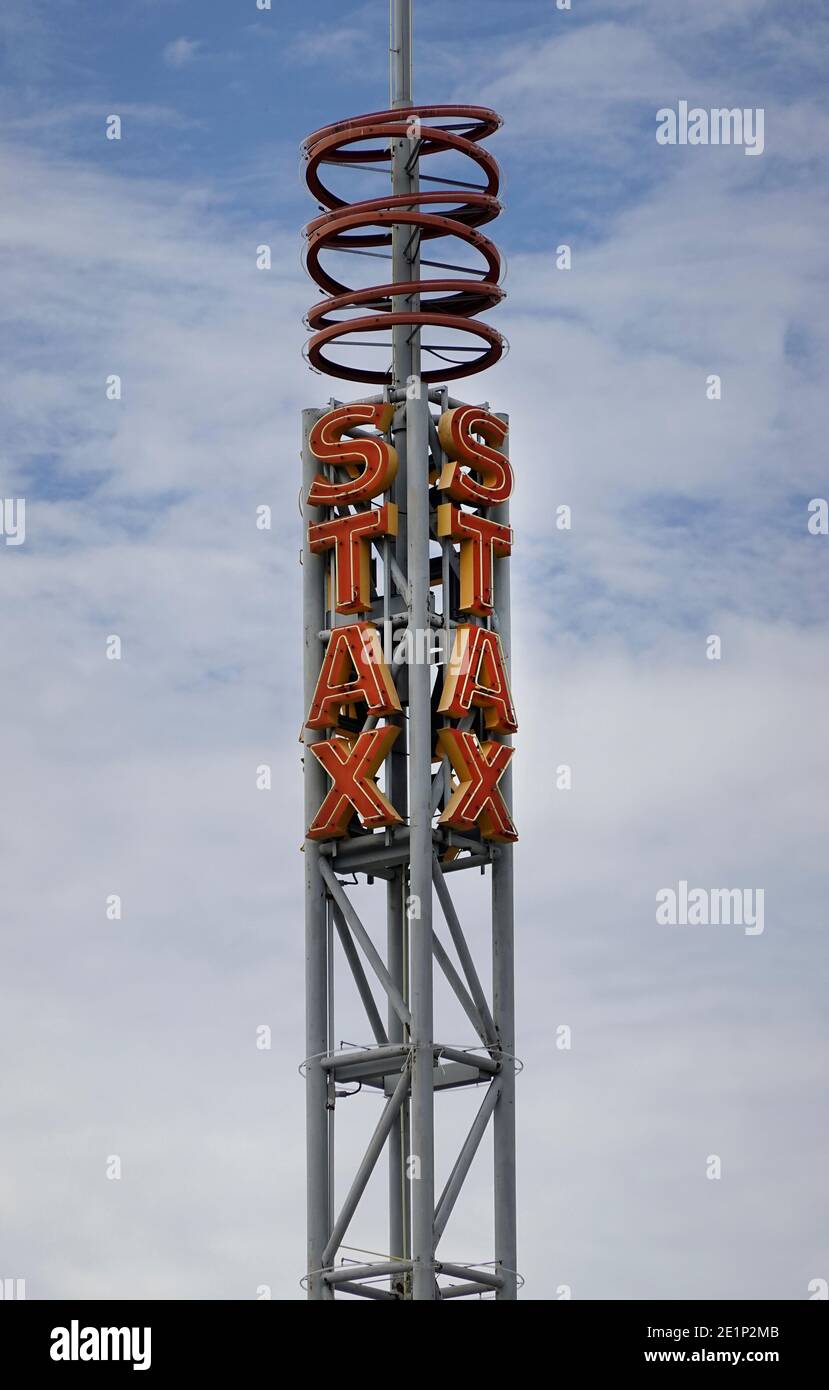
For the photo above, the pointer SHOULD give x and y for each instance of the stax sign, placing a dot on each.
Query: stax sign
(355, 682)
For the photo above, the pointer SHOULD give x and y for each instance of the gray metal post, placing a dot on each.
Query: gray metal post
(406, 358)
(503, 979)
(316, 952)
(397, 942)
(400, 1217)
(420, 857)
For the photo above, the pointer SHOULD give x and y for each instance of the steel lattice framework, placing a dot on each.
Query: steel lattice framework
(413, 593)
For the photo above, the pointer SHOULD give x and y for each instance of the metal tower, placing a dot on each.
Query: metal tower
(406, 669)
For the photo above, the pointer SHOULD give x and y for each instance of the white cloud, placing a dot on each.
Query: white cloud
(328, 45)
(179, 53)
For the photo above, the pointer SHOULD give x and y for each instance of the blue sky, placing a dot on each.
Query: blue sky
(217, 88)
(689, 518)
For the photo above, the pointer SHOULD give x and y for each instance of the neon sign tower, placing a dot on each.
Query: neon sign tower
(409, 713)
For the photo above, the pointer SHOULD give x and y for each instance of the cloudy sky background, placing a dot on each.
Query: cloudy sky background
(137, 257)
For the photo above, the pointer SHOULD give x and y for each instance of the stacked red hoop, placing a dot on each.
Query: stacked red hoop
(449, 303)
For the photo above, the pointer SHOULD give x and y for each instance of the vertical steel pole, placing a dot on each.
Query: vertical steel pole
(420, 852)
(406, 373)
(316, 952)
(503, 978)
(400, 1218)
(399, 1206)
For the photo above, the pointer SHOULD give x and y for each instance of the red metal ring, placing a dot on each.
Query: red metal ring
(447, 303)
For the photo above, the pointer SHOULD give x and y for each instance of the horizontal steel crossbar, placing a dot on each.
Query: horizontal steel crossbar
(351, 1273)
